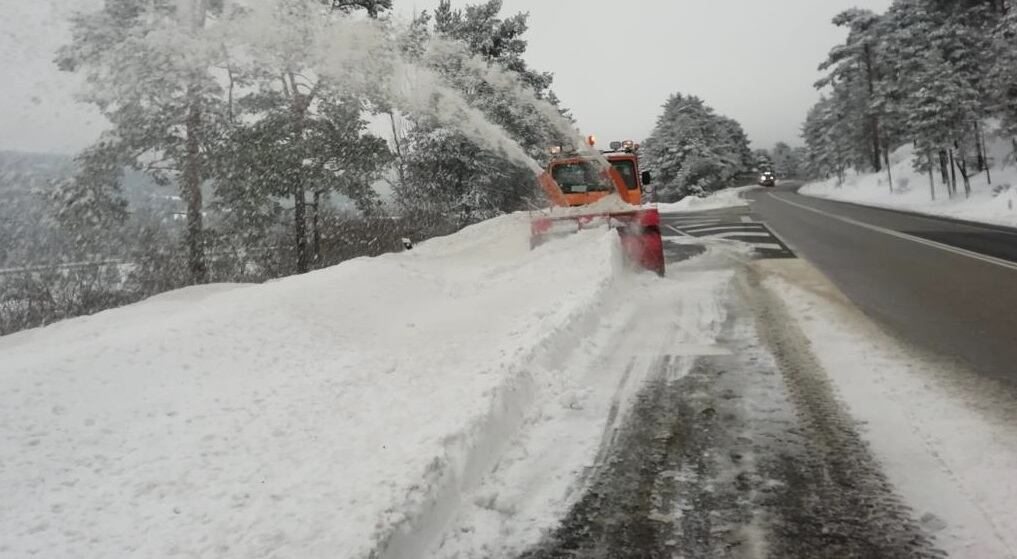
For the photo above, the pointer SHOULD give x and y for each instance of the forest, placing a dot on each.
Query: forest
(933, 75)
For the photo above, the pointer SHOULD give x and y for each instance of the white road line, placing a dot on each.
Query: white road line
(767, 246)
(905, 236)
(740, 227)
(679, 231)
(747, 219)
(740, 234)
(693, 222)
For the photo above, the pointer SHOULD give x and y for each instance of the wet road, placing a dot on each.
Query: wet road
(947, 287)
(748, 455)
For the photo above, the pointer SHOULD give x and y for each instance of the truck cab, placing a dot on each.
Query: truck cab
(583, 182)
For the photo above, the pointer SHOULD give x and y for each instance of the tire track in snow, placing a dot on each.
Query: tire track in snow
(560, 452)
(748, 455)
(837, 502)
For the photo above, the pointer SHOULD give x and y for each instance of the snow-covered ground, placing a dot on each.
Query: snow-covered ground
(350, 411)
(727, 198)
(995, 203)
(540, 474)
(947, 443)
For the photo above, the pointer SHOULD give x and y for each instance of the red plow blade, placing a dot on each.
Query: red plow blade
(639, 230)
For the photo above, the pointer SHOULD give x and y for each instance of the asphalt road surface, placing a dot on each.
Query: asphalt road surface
(945, 286)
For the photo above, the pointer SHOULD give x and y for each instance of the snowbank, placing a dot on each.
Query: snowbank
(727, 198)
(328, 415)
(996, 203)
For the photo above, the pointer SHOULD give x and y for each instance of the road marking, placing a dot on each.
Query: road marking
(905, 236)
(747, 219)
(768, 246)
(693, 221)
(734, 234)
(679, 231)
(739, 227)
(748, 237)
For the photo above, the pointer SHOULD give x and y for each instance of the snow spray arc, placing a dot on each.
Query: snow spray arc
(367, 57)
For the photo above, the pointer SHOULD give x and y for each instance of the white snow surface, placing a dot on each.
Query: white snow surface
(947, 440)
(326, 415)
(726, 198)
(995, 203)
(585, 400)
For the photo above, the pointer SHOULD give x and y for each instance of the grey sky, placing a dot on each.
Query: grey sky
(615, 63)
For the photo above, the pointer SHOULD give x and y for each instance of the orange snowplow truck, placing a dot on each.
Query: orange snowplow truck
(583, 180)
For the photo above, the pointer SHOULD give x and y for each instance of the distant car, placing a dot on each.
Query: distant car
(768, 179)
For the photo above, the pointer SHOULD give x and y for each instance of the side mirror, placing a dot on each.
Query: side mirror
(647, 178)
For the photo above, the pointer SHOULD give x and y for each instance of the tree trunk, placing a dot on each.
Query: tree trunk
(190, 184)
(876, 150)
(932, 176)
(316, 228)
(953, 175)
(962, 166)
(300, 225)
(944, 169)
(984, 155)
(980, 148)
(300, 105)
(190, 187)
(874, 120)
(397, 143)
(886, 160)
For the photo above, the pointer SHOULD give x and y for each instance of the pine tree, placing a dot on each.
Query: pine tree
(854, 72)
(693, 151)
(148, 70)
(299, 136)
(1002, 78)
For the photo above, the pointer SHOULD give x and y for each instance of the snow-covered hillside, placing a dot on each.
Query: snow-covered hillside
(995, 203)
(334, 414)
(299, 418)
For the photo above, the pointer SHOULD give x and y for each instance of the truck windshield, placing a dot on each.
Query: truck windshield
(580, 177)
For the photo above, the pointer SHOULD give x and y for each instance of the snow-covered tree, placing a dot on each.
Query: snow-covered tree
(787, 161)
(443, 167)
(928, 73)
(148, 68)
(373, 7)
(295, 134)
(853, 73)
(692, 150)
(1002, 78)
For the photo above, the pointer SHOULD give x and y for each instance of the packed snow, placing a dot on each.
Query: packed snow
(308, 417)
(946, 439)
(726, 198)
(995, 203)
(344, 413)
(587, 397)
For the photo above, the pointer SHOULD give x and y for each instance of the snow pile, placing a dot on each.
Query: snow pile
(328, 415)
(727, 198)
(995, 203)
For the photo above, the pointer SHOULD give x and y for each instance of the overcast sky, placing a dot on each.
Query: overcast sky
(615, 62)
